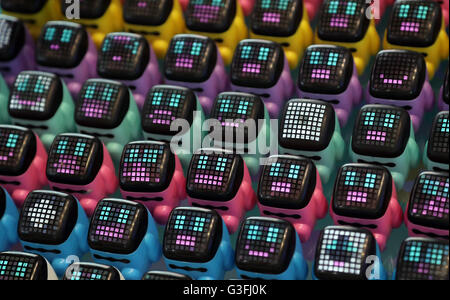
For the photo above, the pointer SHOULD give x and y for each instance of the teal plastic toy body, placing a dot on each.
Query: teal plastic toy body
(321, 141)
(41, 101)
(384, 135)
(106, 109)
(4, 96)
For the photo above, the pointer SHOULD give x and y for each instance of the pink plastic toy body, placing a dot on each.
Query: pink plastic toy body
(315, 210)
(168, 199)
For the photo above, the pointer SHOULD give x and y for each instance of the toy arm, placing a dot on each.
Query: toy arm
(413, 149)
(339, 145)
(301, 267)
(154, 251)
(10, 225)
(228, 255)
(81, 233)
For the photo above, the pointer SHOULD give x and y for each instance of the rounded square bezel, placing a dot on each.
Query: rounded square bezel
(12, 37)
(118, 226)
(212, 16)
(438, 142)
(93, 9)
(307, 125)
(91, 271)
(295, 186)
(23, 6)
(147, 12)
(214, 175)
(22, 266)
(192, 235)
(381, 131)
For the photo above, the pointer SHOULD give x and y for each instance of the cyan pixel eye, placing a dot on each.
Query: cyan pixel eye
(232, 110)
(325, 70)
(423, 259)
(61, 45)
(210, 15)
(147, 12)
(22, 266)
(362, 191)
(343, 20)
(429, 202)
(92, 9)
(342, 253)
(381, 131)
(307, 125)
(157, 275)
(89, 271)
(47, 218)
(276, 17)
(414, 23)
(74, 159)
(257, 63)
(165, 104)
(12, 37)
(118, 226)
(23, 6)
(192, 235)
(190, 58)
(17, 150)
(102, 104)
(287, 182)
(215, 176)
(265, 245)
(35, 96)
(146, 167)
(123, 56)
(398, 74)
(438, 143)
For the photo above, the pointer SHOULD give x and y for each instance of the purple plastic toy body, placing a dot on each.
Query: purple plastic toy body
(67, 50)
(130, 59)
(400, 78)
(328, 73)
(16, 48)
(260, 67)
(194, 61)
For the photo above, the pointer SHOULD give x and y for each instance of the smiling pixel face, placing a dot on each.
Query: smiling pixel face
(146, 167)
(423, 259)
(147, 12)
(210, 15)
(287, 182)
(192, 235)
(398, 74)
(257, 63)
(118, 226)
(438, 143)
(429, 203)
(276, 17)
(343, 20)
(89, 272)
(12, 37)
(165, 104)
(414, 23)
(265, 245)
(48, 218)
(381, 131)
(362, 191)
(17, 150)
(74, 159)
(342, 252)
(89, 9)
(102, 104)
(307, 125)
(190, 58)
(232, 110)
(215, 176)
(325, 69)
(61, 45)
(123, 56)
(23, 6)
(35, 96)
(22, 266)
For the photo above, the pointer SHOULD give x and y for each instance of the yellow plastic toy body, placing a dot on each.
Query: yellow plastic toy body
(436, 48)
(34, 21)
(226, 40)
(158, 36)
(110, 21)
(294, 45)
(336, 21)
